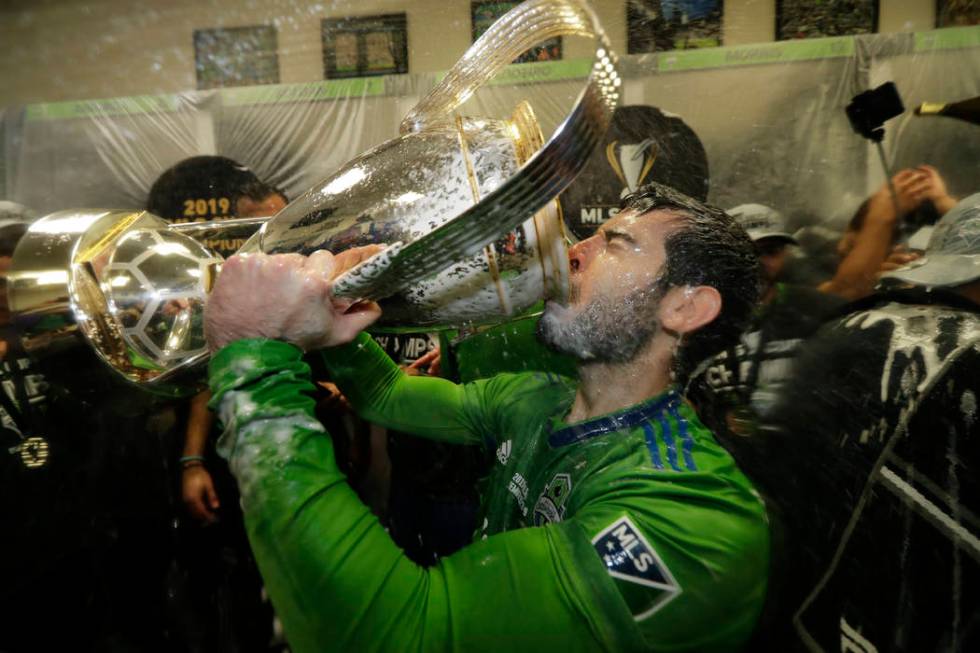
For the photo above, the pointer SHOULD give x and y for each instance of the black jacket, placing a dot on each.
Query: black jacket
(869, 465)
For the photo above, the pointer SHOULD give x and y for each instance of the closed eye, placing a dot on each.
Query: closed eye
(612, 235)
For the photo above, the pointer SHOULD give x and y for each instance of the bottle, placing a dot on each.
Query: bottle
(968, 110)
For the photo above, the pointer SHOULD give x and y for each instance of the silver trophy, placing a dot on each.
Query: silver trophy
(466, 207)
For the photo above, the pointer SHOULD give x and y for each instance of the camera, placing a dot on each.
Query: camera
(869, 110)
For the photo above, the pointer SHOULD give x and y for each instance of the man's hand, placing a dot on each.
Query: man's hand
(197, 490)
(911, 187)
(899, 257)
(430, 363)
(331, 398)
(286, 297)
(935, 189)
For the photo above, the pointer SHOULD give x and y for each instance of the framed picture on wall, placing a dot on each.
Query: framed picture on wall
(485, 13)
(805, 19)
(656, 25)
(364, 46)
(957, 13)
(236, 56)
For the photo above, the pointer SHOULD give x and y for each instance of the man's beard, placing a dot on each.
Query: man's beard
(607, 330)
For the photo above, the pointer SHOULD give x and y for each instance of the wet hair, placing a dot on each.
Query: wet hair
(709, 248)
(257, 191)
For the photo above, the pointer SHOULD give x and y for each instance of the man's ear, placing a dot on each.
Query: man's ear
(685, 309)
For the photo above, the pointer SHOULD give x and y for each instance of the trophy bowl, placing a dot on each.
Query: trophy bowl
(406, 188)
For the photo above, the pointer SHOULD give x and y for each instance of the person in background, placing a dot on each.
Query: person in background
(869, 240)
(209, 187)
(84, 506)
(198, 189)
(21, 388)
(223, 587)
(47, 565)
(213, 188)
(870, 463)
(733, 388)
(612, 519)
(259, 200)
(433, 500)
(14, 221)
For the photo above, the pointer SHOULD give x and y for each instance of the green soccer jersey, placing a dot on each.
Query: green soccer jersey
(631, 531)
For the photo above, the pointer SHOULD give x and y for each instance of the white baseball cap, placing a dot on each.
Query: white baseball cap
(761, 222)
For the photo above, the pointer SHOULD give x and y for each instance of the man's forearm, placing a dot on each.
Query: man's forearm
(944, 203)
(199, 421)
(857, 273)
(302, 519)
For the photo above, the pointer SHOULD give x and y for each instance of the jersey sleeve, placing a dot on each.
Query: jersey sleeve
(692, 576)
(338, 581)
(429, 407)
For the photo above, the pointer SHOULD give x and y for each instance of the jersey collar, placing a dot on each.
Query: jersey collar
(561, 434)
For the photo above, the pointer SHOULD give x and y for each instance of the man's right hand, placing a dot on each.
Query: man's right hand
(900, 256)
(286, 297)
(936, 189)
(197, 490)
(430, 364)
(911, 187)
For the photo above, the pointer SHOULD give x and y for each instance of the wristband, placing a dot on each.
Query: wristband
(191, 461)
(190, 464)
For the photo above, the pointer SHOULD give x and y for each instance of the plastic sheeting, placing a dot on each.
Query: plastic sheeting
(770, 116)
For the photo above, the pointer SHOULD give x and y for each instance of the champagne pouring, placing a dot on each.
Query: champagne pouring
(967, 110)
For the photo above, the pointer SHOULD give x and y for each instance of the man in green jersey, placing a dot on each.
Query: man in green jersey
(612, 520)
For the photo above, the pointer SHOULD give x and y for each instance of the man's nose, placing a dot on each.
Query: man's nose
(582, 253)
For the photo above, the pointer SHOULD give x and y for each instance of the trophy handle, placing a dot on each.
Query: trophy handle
(512, 34)
(539, 180)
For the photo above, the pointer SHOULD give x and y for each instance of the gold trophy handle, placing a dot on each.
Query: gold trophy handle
(511, 35)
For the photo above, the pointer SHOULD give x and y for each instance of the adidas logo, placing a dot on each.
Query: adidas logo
(503, 452)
